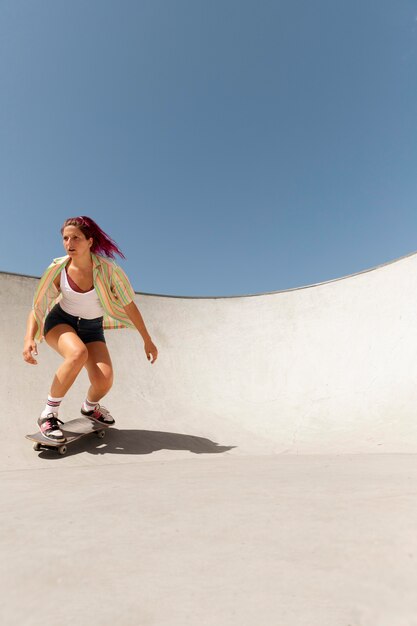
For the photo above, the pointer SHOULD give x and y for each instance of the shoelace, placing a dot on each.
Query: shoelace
(51, 423)
(100, 410)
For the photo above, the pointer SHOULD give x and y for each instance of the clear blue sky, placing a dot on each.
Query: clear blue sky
(229, 146)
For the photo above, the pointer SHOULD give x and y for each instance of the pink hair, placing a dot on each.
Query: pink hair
(102, 243)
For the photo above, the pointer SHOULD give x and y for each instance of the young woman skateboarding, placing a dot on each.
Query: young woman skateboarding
(94, 294)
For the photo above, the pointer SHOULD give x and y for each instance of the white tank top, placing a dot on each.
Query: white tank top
(86, 305)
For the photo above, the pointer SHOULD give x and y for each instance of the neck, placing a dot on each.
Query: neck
(82, 263)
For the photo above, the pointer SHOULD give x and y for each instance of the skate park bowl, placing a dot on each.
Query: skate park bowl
(261, 471)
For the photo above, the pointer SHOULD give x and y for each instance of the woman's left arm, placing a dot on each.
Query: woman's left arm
(136, 318)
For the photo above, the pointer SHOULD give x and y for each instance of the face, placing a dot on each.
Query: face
(75, 242)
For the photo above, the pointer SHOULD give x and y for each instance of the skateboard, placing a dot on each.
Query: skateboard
(72, 431)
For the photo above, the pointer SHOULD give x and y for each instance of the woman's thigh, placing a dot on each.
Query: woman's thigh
(98, 364)
(66, 342)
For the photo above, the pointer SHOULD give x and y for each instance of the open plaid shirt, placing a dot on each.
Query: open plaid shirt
(111, 283)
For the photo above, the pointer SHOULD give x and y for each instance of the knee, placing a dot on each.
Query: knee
(78, 356)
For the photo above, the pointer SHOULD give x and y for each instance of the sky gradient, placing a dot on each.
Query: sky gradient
(230, 147)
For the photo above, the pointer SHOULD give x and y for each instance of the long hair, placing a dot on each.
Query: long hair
(102, 243)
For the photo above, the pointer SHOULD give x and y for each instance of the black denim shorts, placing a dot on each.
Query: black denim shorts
(87, 330)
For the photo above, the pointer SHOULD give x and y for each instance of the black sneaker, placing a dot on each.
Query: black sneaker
(99, 414)
(49, 427)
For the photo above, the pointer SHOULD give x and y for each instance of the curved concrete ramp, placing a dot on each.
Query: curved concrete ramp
(261, 471)
(330, 368)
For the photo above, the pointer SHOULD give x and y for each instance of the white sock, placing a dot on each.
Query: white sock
(89, 406)
(52, 406)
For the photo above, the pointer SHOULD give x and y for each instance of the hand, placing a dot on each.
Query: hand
(29, 348)
(151, 349)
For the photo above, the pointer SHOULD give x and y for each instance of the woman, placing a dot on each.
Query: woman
(94, 294)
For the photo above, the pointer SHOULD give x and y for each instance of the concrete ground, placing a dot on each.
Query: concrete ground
(263, 471)
(291, 540)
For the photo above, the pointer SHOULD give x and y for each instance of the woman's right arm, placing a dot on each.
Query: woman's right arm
(29, 346)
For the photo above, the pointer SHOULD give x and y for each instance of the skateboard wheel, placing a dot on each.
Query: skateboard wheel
(37, 447)
(62, 449)
(101, 434)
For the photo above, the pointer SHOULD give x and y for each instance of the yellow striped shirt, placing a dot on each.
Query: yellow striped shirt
(111, 283)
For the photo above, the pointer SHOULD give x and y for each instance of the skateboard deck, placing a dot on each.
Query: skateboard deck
(72, 431)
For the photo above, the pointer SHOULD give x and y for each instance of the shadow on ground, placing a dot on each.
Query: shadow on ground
(140, 442)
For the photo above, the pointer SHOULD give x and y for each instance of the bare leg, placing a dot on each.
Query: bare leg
(65, 341)
(100, 370)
